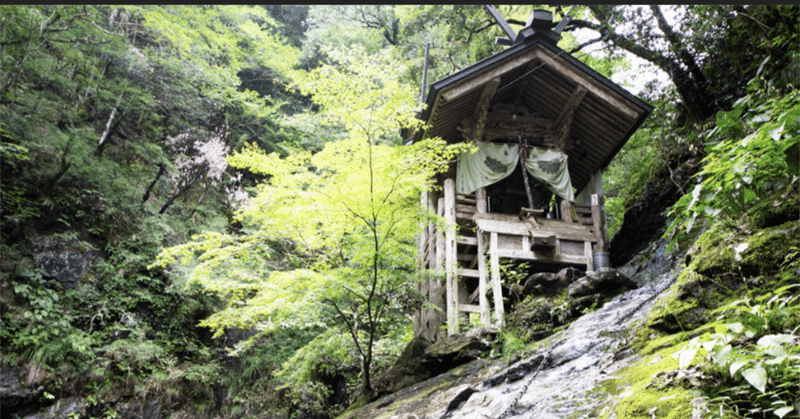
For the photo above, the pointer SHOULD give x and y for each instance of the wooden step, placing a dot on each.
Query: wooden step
(472, 273)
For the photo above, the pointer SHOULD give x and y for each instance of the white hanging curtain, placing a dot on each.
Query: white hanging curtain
(490, 164)
(494, 162)
(550, 167)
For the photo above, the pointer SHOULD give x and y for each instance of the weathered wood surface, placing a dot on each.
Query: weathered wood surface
(510, 224)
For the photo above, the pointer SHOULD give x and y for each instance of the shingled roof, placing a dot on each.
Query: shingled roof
(544, 78)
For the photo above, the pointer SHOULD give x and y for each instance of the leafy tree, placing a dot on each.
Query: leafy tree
(351, 210)
(708, 55)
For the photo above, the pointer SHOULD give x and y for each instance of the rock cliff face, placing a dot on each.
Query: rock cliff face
(559, 378)
(645, 220)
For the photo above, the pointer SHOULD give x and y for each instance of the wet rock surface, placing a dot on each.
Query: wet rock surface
(555, 382)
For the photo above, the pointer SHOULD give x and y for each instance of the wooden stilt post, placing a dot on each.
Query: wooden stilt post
(598, 222)
(483, 301)
(496, 284)
(421, 315)
(450, 255)
(440, 298)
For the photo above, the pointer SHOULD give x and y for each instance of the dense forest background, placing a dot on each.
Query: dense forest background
(205, 209)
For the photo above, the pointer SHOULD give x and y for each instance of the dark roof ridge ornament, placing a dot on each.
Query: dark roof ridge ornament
(539, 22)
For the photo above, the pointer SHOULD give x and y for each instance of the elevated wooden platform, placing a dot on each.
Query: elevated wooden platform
(468, 249)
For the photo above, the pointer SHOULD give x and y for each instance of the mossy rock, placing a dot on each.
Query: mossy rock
(767, 249)
(687, 307)
(532, 319)
(714, 253)
(771, 213)
(641, 395)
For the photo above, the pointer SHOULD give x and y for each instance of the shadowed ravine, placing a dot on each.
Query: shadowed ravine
(558, 381)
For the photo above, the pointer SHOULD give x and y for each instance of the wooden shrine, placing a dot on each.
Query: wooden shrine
(530, 98)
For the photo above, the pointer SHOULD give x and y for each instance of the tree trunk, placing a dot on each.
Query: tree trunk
(690, 83)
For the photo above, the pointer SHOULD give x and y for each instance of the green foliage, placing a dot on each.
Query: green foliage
(351, 210)
(751, 160)
(43, 334)
(759, 348)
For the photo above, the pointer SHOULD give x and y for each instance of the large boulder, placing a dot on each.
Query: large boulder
(601, 281)
(595, 288)
(422, 359)
(548, 284)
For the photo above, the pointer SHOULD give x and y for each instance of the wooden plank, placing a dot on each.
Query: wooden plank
(538, 256)
(466, 208)
(463, 257)
(483, 301)
(472, 273)
(520, 228)
(497, 290)
(587, 254)
(451, 255)
(469, 308)
(472, 241)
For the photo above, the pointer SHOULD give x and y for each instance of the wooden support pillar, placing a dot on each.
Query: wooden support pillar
(566, 211)
(480, 201)
(483, 301)
(497, 287)
(423, 251)
(598, 221)
(451, 255)
(587, 253)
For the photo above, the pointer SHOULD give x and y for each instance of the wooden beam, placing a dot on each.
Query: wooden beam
(469, 308)
(481, 79)
(482, 109)
(566, 211)
(572, 103)
(539, 256)
(561, 230)
(483, 301)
